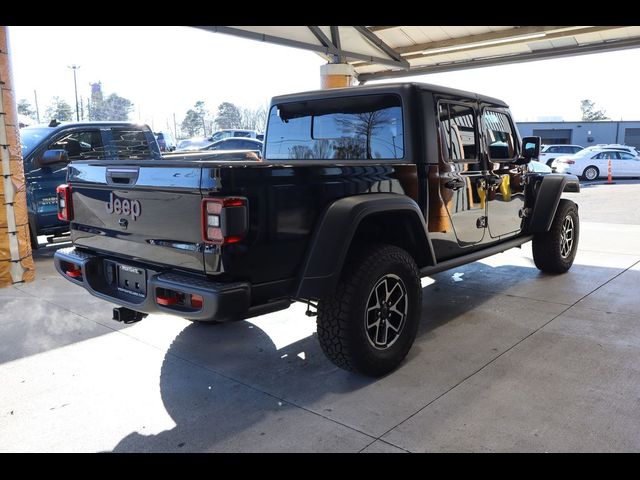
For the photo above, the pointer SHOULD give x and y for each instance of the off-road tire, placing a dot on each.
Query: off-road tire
(548, 253)
(342, 318)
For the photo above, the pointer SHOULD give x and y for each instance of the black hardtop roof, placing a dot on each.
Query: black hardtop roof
(398, 87)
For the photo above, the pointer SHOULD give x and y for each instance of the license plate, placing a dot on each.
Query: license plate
(132, 280)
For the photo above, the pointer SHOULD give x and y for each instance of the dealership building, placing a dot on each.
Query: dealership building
(584, 133)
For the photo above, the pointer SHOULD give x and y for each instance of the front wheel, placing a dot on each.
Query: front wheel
(371, 321)
(555, 250)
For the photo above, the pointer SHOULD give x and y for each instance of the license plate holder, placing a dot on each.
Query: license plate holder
(132, 280)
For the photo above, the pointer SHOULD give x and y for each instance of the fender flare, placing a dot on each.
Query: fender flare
(334, 233)
(548, 198)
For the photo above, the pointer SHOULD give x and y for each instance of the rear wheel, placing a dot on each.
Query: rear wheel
(371, 321)
(550, 161)
(591, 173)
(555, 250)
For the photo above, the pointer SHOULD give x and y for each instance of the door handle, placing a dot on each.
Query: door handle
(455, 184)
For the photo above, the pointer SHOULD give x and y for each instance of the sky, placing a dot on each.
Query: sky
(165, 70)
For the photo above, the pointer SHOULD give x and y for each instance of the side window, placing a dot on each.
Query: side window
(607, 156)
(553, 150)
(500, 135)
(81, 145)
(130, 144)
(248, 146)
(575, 149)
(627, 156)
(458, 131)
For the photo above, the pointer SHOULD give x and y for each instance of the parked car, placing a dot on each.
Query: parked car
(47, 149)
(192, 144)
(592, 164)
(234, 132)
(166, 142)
(549, 153)
(614, 146)
(236, 144)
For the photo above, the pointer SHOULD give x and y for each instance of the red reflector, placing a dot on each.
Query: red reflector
(74, 273)
(166, 300)
(233, 202)
(232, 239)
(196, 301)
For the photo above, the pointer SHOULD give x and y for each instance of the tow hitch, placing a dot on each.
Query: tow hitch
(126, 315)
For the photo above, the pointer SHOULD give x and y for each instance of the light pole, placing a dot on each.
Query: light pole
(75, 86)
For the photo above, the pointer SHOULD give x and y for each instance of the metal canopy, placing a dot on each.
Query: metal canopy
(397, 51)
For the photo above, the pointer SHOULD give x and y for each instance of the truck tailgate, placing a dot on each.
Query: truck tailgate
(147, 210)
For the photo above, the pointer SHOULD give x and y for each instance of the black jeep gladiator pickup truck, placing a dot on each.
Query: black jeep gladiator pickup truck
(360, 192)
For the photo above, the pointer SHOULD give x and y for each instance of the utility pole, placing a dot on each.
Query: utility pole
(175, 130)
(81, 109)
(75, 85)
(35, 94)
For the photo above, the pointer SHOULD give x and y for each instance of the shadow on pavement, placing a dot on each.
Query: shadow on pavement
(241, 357)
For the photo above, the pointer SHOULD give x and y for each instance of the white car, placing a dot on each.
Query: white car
(614, 146)
(592, 164)
(548, 153)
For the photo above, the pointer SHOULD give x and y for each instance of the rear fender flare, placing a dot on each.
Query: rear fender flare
(335, 231)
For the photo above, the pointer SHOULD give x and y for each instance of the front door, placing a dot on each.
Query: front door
(505, 187)
(461, 176)
(44, 180)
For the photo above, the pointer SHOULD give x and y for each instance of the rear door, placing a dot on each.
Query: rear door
(143, 210)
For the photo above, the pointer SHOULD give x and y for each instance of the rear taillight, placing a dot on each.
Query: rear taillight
(566, 160)
(65, 206)
(224, 220)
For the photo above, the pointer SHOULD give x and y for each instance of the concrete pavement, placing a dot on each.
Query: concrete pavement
(507, 359)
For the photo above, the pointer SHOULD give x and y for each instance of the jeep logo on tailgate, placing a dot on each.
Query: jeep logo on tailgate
(124, 206)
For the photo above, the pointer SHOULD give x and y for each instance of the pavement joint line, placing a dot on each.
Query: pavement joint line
(387, 442)
(506, 351)
(494, 293)
(605, 252)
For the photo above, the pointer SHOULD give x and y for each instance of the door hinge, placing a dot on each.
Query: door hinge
(482, 222)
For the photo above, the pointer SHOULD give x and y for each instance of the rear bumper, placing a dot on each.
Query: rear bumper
(221, 301)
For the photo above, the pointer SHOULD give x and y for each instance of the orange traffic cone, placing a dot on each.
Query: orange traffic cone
(609, 174)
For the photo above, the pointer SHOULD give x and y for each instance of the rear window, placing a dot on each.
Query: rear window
(348, 128)
(130, 144)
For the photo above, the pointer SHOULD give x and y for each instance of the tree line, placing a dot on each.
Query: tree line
(200, 122)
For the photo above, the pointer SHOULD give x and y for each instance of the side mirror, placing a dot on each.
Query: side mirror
(531, 148)
(51, 157)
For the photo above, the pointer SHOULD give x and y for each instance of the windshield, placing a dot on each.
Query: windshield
(30, 137)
